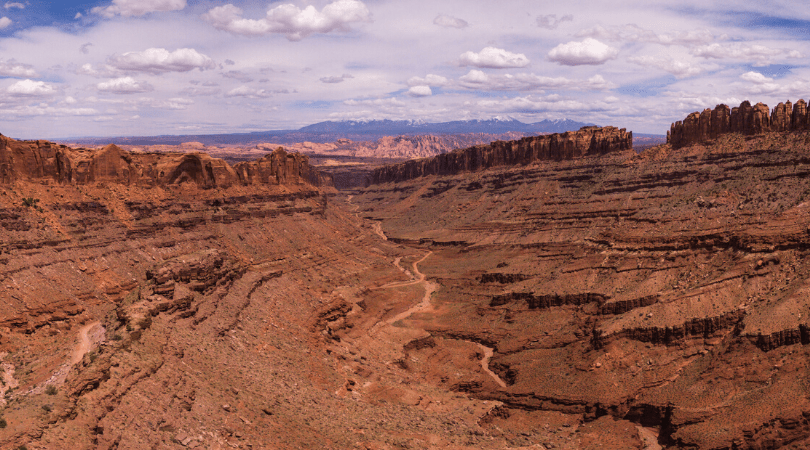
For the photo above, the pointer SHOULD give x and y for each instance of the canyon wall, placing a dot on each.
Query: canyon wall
(558, 146)
(42, 160)
(744, 119)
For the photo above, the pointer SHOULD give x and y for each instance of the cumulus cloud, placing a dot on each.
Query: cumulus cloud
(494, 58)
(13, 69)
(129, 8)
(429, 80)
(478, 80)
(589, 51)
(249, 92)
(420, 91)
(5, 22)
(443, 20)
(334, 79)
(759, 84)
(158, 60)
(104, 72)
(681, 69)
(124, 85)
(31, 88)
(760, 55)
(10, 5)
(635, 33)
(550, 21)
(289, 20)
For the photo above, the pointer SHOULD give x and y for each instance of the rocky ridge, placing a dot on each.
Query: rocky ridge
(42, 160)
(558, 146)
(700, 127)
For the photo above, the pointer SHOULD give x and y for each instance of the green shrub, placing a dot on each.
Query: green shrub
(50, 390)
(3, 423)
(30, 201)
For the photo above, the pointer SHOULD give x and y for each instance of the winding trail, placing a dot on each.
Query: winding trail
(430, 287)
(89, 337)
(86, 342)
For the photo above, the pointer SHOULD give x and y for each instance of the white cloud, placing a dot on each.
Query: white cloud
(478, 80)
(85, 48)
(533, 105)
(756, 77)
(760, 55)
(105, 72)
(129, 8)
(13, 69)
(429, 80)
(157, 60)
(5, 22)
(494, 58)
(443, 20)
(30, 87)
(335, 79)
(589, 51)
(249, 92)
(290, 20)
(124, 85)
(420, 91)
(635, 33)
(10, 5)
(550, 21)
(679, 68)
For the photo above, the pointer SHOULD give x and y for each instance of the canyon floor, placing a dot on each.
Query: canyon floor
(652, 300)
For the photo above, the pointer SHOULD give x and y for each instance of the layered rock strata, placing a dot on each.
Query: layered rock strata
(558, 146)
(668, 289)
(42, 160)
(700, 127)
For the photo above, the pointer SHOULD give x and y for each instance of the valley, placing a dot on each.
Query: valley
(553, 292)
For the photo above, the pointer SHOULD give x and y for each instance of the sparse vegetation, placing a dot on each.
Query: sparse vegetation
(47, 408)
(30, 202)
(50, 390)
(3, 423)
(117, 337)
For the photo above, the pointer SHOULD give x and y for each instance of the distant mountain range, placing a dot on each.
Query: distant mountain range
(331, 131)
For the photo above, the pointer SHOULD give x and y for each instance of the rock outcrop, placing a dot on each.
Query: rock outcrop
(42, 160)
(744, 119)
(558, 146)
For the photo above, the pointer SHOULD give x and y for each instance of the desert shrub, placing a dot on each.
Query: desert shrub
(30, 201)
(3, 423)
(50, 390)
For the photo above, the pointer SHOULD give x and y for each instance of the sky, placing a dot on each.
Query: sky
(169, 67)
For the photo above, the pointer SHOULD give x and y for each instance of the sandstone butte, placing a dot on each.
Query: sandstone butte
(746, 119)
(554, 292)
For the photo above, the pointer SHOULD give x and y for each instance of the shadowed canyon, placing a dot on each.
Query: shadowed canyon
(554, 292)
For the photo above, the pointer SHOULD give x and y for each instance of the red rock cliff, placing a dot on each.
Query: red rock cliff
(42, 160)
(744, 119)
(558, 146)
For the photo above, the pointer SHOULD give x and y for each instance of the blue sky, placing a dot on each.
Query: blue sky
(147, 67)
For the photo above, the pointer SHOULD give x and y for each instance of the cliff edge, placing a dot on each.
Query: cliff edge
(699, 127)
(43, 160)
(558, 146)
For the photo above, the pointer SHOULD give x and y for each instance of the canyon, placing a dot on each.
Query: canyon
(559, 291)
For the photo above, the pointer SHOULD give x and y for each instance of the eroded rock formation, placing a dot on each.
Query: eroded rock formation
(42, 160)
(744, 119)
(558, 146)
